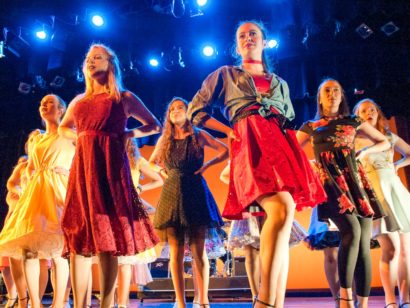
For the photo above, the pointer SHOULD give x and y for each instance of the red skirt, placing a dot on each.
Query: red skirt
(266, 161)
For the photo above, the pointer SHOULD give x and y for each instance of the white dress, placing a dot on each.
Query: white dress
(392, 194)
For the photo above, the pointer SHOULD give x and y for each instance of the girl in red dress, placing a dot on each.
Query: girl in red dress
(103, 214)
(268, 168)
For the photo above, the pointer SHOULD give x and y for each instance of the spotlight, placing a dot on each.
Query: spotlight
(97, 20)
(153, 62)
(208, 51)
(42, 35)
(364, 31)
(57, 82)
(24, 88)
(273, 44)
(389, 28)
(201, 2)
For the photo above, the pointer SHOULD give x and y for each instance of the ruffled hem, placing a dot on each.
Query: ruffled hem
(327, 239)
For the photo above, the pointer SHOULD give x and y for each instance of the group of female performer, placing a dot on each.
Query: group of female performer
(82, 204)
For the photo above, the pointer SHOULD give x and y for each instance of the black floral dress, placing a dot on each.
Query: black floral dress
(343, 178)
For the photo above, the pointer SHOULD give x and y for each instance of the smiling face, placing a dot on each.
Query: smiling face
(97, 62)
(368, 111)
(50, 109)
(177, 113)
(330, 97)
(249, 41)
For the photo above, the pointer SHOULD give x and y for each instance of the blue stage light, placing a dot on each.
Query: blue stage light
(201, 2)
(97, 20)
(153, 62)
(42, 35)
(208, 51)
(273, 43)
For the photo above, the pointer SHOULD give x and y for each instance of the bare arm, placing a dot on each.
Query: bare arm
(380, 141)
(303, 139)
(153, 160)
(205, 139)
(156, 180)
(224, 176)
(403, 148)
(66, 128)
(134, 107)
(14, 181)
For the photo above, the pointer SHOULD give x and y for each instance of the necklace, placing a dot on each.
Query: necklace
(251, 61)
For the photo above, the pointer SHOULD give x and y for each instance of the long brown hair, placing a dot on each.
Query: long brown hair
(114, 80)
(382, 124)
(261, 26)
(168, 132)
(343, 107)
(133, 152)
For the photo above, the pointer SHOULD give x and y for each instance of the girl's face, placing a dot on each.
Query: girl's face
(368, 112)
(249, 41)
(50, 109)
(96, 62)
(177, 113)
(330, 96)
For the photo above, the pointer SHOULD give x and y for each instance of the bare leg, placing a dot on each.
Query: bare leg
(177, 267)
(274, 248)
(332, 274)
(80, 271)
(10, 286)
(67, 291)
(108, 268)
(197, 246)
(43, 278)
(124, 282)
(16, 266)
(61, 278)
(404, 269)
(89, 290)
(390, 246)
(195, 278)
(32, 273)
(252, 266)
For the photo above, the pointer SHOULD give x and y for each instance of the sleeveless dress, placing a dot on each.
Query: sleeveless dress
(34, 224)
(344, 180)
(392, 194)
(103, 212)
(186, 201)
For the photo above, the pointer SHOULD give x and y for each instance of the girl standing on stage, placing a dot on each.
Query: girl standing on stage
(34, 227)
(351, 203)
(392, 231)
(186, 208)
(267, 165)
(103, 215)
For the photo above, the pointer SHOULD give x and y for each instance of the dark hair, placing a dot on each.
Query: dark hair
(343, 107)
(168, 132)
(381, 125)
(262, 28)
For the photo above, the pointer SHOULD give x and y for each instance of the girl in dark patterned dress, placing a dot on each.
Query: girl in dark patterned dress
(186, 208)
(351, 203)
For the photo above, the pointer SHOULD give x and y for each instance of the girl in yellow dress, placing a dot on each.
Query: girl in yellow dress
(33, 230)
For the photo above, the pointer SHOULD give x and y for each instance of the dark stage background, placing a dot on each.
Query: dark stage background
(317, 38)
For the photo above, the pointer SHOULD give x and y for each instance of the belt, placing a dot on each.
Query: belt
(283, 122)
(98, 133)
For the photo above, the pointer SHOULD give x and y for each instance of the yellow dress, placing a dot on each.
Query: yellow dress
(34, 225)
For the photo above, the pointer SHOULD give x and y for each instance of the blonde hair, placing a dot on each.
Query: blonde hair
(114, 80)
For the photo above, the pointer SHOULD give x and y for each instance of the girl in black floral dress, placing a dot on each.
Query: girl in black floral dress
(351, 201)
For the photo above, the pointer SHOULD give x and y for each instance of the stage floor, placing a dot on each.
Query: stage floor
(291, 302)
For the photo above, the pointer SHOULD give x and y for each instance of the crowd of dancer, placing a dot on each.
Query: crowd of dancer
(76, 194)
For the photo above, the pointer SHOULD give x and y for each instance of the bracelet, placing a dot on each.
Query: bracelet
(162, 170)
(139, 189)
